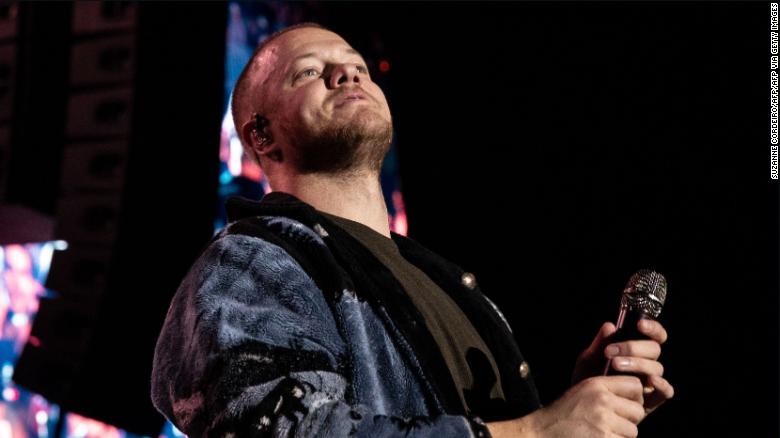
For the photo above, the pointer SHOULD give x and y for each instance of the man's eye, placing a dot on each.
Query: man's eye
(308, 72)
(362, 69)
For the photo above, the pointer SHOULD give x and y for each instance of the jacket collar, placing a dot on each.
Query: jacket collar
(284, 204)
(238, 207)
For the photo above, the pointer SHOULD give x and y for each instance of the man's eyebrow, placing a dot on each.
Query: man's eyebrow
(354, 52)
(314, 55)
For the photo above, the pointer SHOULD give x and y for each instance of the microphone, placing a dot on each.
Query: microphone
(643, 298)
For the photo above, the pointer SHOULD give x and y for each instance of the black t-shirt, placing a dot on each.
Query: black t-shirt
(463, 349)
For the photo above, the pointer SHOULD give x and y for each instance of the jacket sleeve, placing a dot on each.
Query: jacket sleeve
(250, 348)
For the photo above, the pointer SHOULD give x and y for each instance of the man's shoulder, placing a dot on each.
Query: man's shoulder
(282, 243)
(266, 240)
(251, 253)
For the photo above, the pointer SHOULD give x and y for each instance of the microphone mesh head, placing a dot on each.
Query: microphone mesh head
(646, 292)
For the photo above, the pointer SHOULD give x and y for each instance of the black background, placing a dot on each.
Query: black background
(554, 149)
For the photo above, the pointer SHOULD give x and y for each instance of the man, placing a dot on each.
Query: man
(306, 316)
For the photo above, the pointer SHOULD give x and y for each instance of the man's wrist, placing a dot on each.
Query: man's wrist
(517, 427)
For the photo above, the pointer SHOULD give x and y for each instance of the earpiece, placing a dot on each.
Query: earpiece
(263, 137)
(260, 124)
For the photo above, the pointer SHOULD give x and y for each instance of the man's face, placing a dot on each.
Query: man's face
(325, 112)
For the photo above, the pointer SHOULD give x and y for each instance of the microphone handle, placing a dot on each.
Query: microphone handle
(627, 330)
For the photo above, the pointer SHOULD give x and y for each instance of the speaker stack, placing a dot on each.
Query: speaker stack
(139, 120)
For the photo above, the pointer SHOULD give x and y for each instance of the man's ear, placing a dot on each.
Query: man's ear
(257, 134)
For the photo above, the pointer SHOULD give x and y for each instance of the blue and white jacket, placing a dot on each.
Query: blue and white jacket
(287, 326)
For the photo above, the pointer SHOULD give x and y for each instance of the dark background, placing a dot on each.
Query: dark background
(552, 149)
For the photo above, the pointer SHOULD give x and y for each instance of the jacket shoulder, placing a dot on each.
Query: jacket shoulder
(267, 225)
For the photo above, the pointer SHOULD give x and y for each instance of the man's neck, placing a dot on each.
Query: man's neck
(357, 197)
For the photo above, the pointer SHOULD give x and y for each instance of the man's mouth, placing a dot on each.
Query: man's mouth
(349, 97)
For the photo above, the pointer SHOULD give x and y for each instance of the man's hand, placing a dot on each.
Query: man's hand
(605, 406)
(596, 405)
(634, 356)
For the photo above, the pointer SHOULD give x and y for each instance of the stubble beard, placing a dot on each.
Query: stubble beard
(352, 147)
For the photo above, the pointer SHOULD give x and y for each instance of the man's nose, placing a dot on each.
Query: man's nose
(344, 74)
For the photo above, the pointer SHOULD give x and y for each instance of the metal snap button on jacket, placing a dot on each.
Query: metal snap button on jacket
(524, 369)
(468, 280)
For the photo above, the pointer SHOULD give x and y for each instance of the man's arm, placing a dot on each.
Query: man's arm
(250, 347)
(597, 407)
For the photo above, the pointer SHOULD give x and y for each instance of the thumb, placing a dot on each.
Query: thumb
(602, 338)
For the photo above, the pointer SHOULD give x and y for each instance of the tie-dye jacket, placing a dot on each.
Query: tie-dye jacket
(287, 326)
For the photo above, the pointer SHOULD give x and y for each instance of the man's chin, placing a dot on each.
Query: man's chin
(367, 125)
(360, 142)
(361, 115)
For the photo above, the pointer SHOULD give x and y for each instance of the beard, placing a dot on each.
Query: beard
(350, 147)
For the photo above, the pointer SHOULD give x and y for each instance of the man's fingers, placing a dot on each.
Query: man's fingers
(645, 348)
(663, 386)
(604, 332)
(653, 329)
(663, 391)
(622, 427)
(638, 365)
(629, 387)
(629, 409)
